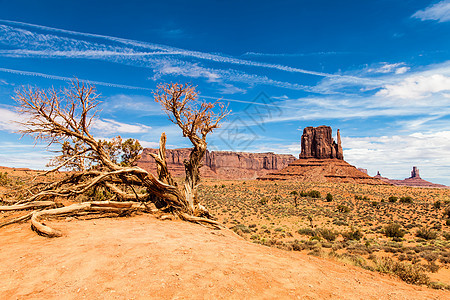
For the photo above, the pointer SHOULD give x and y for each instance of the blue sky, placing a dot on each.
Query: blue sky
(378, 70)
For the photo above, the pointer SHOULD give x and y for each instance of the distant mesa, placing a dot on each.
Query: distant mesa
(220, 164)
(363, 170)
(414, 180)
(321, 160)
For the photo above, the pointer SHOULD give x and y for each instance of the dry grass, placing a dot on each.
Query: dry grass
(357, 222)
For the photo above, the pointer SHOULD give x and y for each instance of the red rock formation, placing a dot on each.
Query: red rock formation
(321, 160)
(414, 180)
(318, 143)
(322, 170)
(221, 164)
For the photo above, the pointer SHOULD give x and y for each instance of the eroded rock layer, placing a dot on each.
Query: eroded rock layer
(322, 170)
(221, 164)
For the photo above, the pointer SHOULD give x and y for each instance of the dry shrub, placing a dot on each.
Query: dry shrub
(410, 273)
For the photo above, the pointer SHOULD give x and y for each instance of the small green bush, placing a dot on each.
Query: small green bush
(437, 204)
(407, 272)
(392, 199)
(353, 234)
(446, 235)
(263, 201)
(406, 199)
(393, 230)
(426, 233)
(4, 180)
(241, 227)
(329, 197)
(328, 234)
(343, 208)
(314, 194)
(306, 231)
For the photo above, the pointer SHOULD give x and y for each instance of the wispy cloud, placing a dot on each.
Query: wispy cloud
(385, 68)
(68, 79)
(164, 60)
(327, 53)
(108, 126)
(437, 12)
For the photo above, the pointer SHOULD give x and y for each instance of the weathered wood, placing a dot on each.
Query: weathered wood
(28, 205)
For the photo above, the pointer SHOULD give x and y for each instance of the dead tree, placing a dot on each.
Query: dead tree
(67, 115)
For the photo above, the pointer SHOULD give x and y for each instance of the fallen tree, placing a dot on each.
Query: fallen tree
(65, 117)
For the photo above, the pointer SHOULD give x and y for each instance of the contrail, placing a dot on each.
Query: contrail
(183, 52)
(55, 77)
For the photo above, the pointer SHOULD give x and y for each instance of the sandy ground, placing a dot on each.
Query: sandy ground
(142, 257)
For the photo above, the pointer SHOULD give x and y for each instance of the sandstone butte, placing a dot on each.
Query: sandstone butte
(321, 160)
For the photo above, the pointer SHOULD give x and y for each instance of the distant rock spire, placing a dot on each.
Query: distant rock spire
(415, 173)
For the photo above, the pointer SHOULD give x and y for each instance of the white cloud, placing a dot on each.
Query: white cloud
(395, 155)
(438, 12)
(385, 68)
(417, 86)
(8, 119)
(108, 126)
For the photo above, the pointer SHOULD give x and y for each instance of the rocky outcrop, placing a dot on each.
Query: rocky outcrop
(414, 180)
(317, 142)
(322, 170)
(321, 160)
(221, 164)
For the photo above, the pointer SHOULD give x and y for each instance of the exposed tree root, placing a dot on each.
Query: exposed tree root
(96, 206)
(17, 220)
(28, 205)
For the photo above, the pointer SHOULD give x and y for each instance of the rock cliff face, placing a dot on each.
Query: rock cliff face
(221, 164)
(317, 142)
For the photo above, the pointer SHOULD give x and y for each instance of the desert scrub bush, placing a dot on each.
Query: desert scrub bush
(406, 199)
(446, 235)
(352, 234)
(437, 204)
(263, 201)
(303, 194)
(392, 199)
(4, 180)
(328, 234)
(314, 194)
(393, 230)
(426, 233)
(343, 208)
(439, 285)
(306, 231)
(447, 212)
(297, 246)
(351, 259)
(329, 197)
(241, 228)
(410, 273)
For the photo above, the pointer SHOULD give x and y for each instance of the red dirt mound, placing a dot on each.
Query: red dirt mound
(142, 257)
